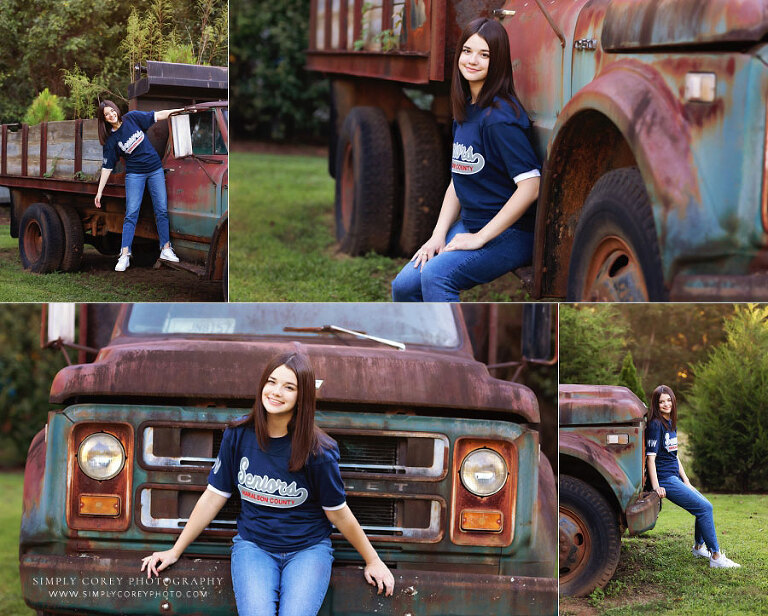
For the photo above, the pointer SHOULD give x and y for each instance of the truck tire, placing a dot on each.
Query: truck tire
(41, 239)
(424, 178)
(590, 542)
(365, 182)
(144, 252)
(615, 253)
(108, 245)
(74, 238)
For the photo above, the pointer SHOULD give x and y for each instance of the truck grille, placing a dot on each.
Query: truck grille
(384, 510)
(370, 453)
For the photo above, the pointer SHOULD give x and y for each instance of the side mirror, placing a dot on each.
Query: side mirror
(537, 333)
(182, 135)
(60, 326)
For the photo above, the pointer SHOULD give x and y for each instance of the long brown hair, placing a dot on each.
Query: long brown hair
(306, 437)
(499, 81)
(655, 411)
(105, 128)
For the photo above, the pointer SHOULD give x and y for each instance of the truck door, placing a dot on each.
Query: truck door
(195, 182)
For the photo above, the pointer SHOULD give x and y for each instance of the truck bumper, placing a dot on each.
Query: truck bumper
(713, 288)
(642, 514)
(87, 584)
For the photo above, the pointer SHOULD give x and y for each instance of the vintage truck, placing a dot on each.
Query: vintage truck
(406, 401)
(52, 171)
(649, 115)
(602, 482)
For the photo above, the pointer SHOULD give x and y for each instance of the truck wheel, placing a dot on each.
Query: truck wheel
(41, 239)
(365, 182)
(615, 255)
(109, 244)
(590, 542)
(144, 252)
(424, 178)
(73, 238)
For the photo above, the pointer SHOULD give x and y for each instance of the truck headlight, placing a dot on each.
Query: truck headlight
(101, 456)
(483, 472)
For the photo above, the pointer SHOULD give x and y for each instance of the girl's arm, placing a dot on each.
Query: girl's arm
(449, 212)
(102, 183)
(208, 506)
(163, 115)
(651, 463)
(376, 572)
(526, 193)
(683, 476)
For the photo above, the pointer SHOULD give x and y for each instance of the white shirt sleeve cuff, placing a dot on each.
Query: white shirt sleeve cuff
(533, 173)
(219, 492)
(650, 453)
(154, 116)
(336, 508)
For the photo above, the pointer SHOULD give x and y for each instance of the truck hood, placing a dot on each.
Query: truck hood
(230, 370)
(630, 24)
(599, 404)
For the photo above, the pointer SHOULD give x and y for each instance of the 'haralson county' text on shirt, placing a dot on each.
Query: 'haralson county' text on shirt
(281, 511)
(662, 443)
(491, 154)
(130, 141)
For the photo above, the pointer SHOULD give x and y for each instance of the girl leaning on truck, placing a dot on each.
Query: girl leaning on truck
(124, 135)
(287, 472)
(485, 225)
(668, 478)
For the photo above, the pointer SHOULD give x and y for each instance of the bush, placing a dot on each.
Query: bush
(631, 379)
(729, 426)
(45, 108)
(592, 341)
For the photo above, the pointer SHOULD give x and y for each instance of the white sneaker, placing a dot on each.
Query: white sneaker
(167, 254)
(123, 263)
(701, 552)
(723, 562)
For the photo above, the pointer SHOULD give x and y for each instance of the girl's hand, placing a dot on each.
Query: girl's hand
(378, 574)
(433, 246)
(163, 559)
(97, 201)
(661, 492)
(465, 241)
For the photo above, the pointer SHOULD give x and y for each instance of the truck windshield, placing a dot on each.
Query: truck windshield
(427, 324)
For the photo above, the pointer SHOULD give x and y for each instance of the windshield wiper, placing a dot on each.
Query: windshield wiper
(335, 329)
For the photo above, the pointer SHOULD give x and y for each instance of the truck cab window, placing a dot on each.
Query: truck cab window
(206, 136)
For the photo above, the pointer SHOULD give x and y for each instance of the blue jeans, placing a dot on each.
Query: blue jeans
(444, 275)
(693, 502)
(134, 192)
(283, 584)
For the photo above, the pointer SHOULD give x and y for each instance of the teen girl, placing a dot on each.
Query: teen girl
(287, 473)
(668, 478)
(485, 226)
(124, 135)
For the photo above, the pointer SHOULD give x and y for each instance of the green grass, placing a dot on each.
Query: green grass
(658, 572)
(11, 603)
(282, 242)
(101, 285)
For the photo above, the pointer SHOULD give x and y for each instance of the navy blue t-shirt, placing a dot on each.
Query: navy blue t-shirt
(281, 511)
(662, 442)
(130, 142)
(492, 152)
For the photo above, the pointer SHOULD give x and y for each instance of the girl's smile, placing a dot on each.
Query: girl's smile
(280, 391)
(665, 404)
(110, 115)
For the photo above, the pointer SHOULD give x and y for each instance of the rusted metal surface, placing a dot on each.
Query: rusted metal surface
(136, 366)
(663, 23)
(642, 514)
(599, 404)
(170, 80)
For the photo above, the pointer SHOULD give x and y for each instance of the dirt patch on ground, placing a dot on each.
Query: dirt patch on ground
(263, 147)
(570, 606)
(179, 286)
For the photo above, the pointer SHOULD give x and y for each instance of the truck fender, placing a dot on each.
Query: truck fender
(625, 117)
(217, 255)
(601, 461)
(34, 473)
